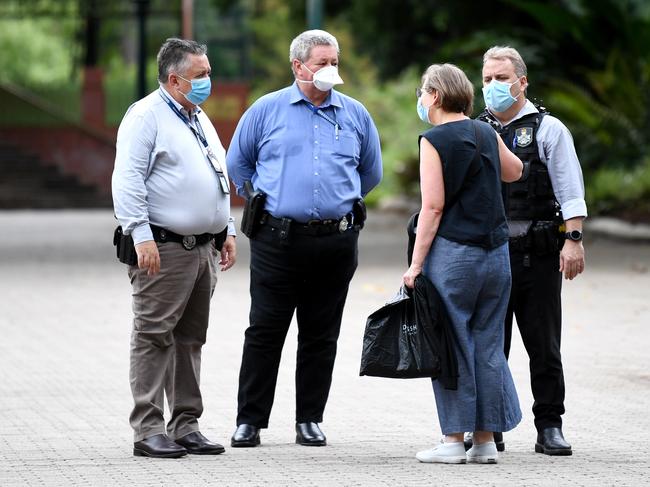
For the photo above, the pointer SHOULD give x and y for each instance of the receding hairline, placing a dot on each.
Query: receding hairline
(507, 53)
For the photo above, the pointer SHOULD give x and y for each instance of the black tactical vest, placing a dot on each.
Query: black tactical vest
(531, 197)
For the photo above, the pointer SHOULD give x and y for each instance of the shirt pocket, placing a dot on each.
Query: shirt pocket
(347, 144)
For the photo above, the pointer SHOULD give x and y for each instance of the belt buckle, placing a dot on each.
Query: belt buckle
(343, 225)
(189, 242)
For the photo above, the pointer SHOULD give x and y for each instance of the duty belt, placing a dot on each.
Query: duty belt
(188, 241)
(312, 227)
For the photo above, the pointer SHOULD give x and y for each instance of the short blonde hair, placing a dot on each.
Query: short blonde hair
(455, 90)
(507, 53)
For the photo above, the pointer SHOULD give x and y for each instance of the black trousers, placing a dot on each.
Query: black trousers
(309, 275)
(536, 304)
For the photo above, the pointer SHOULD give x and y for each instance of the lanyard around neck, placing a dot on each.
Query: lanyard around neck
(319, 111)
(212, 159)
(198, 133)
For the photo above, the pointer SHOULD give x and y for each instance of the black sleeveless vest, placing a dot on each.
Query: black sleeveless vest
(531, 197)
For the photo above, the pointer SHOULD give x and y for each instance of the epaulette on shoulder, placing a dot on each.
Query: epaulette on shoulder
(487, 117)
(540, 107)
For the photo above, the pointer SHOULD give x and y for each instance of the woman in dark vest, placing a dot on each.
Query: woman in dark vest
(462, 247)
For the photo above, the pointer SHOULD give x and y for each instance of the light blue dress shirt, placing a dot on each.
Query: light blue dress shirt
(310, 168)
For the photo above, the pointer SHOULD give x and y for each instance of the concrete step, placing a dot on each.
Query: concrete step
(27, 182)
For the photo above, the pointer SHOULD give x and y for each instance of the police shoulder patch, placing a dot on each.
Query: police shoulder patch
(524, 136)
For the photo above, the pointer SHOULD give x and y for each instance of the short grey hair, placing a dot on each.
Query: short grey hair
(302, 45)
(509, 53)
(173, 56)
(456, 92)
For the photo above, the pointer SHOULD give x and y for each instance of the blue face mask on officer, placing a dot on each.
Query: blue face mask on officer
(497, 95)
(200, 91)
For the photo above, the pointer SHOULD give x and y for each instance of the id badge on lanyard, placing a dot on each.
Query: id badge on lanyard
(223, 181)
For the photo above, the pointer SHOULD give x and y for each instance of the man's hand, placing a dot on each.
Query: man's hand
(572, 259)
(148, 257)
(228, 253)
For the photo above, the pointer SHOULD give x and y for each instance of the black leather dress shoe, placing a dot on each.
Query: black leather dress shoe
(309, 434)
(550, 441)
(246, 435)
(197, 444)
(498, 440)
(158, 446)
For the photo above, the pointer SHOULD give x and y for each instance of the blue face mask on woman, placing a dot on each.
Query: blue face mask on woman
(200, 91)
(497, 95)
(423, 112)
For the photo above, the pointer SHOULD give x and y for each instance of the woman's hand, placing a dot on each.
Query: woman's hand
(410, 275)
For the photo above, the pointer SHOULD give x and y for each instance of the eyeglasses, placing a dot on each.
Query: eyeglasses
(419, 92)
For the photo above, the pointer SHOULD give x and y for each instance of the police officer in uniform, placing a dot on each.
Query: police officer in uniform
(545, 210)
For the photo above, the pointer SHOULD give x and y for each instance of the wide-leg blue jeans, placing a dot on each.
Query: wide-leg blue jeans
(474, 284)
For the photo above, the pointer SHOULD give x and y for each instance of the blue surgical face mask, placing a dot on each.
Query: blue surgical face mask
(497, 95)
(200, 91)
(423, 112)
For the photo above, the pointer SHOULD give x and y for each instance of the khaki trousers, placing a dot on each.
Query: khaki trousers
(171, 311)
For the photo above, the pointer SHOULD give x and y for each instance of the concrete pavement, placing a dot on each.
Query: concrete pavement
(65, 399)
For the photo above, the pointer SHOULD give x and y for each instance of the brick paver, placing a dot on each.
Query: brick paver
(65, 398)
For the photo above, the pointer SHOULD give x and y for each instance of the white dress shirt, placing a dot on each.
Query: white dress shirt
(162, 175)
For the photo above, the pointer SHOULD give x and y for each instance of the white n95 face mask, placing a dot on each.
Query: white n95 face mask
(325, 78)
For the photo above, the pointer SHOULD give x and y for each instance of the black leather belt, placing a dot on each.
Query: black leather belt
(312, 227)
(188, 241)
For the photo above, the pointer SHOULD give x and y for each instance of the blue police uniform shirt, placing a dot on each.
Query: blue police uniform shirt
(310, 168)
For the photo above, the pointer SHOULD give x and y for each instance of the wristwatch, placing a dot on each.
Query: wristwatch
(575, 235)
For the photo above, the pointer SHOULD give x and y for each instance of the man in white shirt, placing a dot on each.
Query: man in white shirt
(171, 198)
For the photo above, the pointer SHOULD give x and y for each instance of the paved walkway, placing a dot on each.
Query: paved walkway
(65, 398)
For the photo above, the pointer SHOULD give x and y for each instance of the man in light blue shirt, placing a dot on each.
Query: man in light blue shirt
(315, 153)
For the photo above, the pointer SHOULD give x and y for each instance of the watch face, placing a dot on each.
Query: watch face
(575, 235)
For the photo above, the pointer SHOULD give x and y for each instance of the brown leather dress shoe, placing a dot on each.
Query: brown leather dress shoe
(158, 446)
(246, 435)
(309, 434)
(550, 441)
(197, 444)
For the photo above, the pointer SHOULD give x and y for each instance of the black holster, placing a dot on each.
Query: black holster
(359, 213)
(253, 210)
(125, 247)
(545, 238)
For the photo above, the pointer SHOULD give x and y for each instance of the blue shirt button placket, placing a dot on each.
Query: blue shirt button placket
(316, 168)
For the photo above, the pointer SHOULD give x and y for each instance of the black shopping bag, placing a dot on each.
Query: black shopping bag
(396, 345)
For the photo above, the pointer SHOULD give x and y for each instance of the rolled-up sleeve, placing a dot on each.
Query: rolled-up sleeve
(559, 154)
(370, 166)
(135, 142)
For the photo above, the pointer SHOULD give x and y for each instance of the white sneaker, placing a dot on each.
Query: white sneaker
(483, 453)
(444, 453)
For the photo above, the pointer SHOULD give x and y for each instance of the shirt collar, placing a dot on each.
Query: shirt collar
(334, 97)
(195, 111)
(527, 109)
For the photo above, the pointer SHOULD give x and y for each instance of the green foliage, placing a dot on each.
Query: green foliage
(35, 52)
(392, 106)
(272, 28)
(615, 190)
